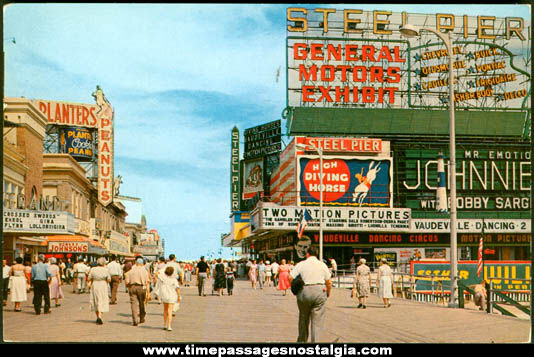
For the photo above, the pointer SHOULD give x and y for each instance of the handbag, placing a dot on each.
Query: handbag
(297, 285)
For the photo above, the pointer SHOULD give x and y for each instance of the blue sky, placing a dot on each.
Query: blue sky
(179, 77)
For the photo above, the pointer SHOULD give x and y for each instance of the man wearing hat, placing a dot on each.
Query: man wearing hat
(40, 278)
(311, 300)
(137, 281)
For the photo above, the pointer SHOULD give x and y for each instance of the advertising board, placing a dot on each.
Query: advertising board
(354, 181)
(505, 275)
(263, 140)
(350, 57)
(234, 171)
(273, 217)
(77, 142)
(252, 178)
(99, 116)
(488, 177)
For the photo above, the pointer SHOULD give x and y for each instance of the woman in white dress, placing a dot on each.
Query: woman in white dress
(169, 292)
(56, 292)
(19, 283)
(98, 283)
(385, 282)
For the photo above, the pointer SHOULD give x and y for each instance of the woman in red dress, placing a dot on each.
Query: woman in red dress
(283, 277)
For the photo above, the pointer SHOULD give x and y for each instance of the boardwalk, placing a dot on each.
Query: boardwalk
(261, 316)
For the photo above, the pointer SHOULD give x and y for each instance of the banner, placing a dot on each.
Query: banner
(355, 181)
(68, 247)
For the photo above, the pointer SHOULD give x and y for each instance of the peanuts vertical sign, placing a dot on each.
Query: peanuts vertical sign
(105, 147)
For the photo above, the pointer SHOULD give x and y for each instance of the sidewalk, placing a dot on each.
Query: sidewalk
(260, 316)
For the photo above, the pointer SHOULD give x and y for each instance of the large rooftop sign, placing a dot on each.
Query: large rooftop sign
(92, 116)
(354, 59)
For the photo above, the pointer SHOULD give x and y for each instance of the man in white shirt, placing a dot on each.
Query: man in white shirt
(333, 263)
(81, 278)
(115, 271)
(274, 270)
(178, 272)
(5, 276)
(312, 299)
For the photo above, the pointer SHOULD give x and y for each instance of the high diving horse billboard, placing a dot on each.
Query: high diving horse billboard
(354, 181)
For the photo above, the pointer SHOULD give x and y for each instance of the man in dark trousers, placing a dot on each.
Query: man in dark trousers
(40, 278)
(312, 298)
(203, 274)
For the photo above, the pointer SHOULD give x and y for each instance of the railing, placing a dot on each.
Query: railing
(439, 291)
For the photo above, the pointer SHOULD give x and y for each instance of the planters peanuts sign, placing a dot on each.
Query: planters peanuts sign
(77, 142)
(359, 182)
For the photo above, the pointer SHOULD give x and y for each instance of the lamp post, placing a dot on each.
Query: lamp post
(320, 152)
(410, 31)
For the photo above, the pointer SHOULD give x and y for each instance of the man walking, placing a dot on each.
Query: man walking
(203, 274)
(274, 269)
(115, 271)
(80, 272)
(178, 272)
(137, 281)
(311, 300)
(40, 278)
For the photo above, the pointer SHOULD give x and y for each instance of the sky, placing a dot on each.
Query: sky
(180, 77)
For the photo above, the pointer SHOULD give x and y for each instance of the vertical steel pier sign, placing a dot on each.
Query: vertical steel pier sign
(234, 171)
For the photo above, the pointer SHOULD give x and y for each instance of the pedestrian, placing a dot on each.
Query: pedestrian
(177, 274)
(362, 284)
(274, 269)
(136, 280)
(253, 274)
(203, 273)
(169, 291)
(62, 268)
(18, 284)
(68, 271)
(188, 276)
(6, 269)
(28, 273)
(160, 269)
(98, 280)
(283, 277)
(115, 273)
(384, 280)
(220, 277)
(333, 264)
(481, 295)
(261, 274)
(311, 300)
(268, 273)
(80, 273)
(230, 278)
(56, 292)
(126, 268)
(40, 278)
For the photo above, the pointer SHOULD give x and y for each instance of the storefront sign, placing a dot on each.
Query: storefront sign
(272, 217)
(504, 275)
(263, 140)
(68, 247)
(472, 225)
(354, 181)
(234, 171)
(144, 250)
(43, 222)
